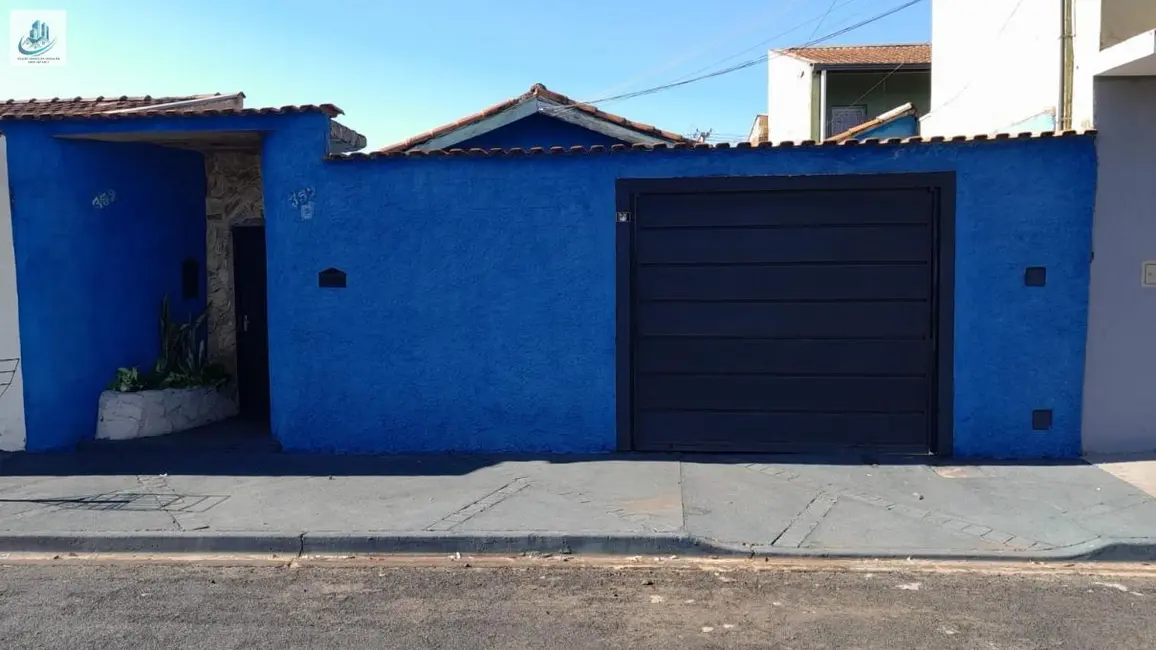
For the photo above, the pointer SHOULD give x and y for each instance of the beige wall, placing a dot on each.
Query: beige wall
(12, 434)
(234, 199)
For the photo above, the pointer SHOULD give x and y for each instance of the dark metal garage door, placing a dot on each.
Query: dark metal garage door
(782, 314)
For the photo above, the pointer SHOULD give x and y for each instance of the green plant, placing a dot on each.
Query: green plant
(127, 380)
(181, 363)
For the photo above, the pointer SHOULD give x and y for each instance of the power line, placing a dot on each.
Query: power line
(747, 64)
(879, 83)
(760, 44)
(700, 51)
(825, 17)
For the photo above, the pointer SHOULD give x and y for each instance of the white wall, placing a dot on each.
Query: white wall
(789, 99)
(996, 67)
(992, 69)
(1119, 403)
(12, 434)
(1086, 46)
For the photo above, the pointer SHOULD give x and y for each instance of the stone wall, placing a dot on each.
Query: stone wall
(234, 199)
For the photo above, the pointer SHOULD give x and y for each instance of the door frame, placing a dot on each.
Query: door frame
(941, 397)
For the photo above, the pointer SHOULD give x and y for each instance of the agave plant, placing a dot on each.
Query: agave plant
(182, 361)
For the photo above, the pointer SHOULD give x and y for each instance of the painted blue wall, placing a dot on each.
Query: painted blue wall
(1045, 121)
(91, 279)
(479, 313)
(903, 127)
(538, 130)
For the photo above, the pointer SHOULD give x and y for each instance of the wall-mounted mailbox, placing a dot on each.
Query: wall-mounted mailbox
(1042, 419)
(331, 278)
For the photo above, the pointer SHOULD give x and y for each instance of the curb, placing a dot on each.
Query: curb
(422, 542)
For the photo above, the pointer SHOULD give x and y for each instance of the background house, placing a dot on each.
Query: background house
(537, 118)
(817, 92)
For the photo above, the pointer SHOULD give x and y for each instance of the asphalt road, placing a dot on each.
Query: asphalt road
(561, 606)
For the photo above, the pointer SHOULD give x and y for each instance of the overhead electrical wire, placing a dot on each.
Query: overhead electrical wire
(761, 44)
(696, 53)
(745, 64)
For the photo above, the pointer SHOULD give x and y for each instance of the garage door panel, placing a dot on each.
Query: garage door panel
(853, 320)
(785, 357)
(784, 208)
(782, 319)
(753, 431)
(850, 244)
(766, 393)
(804, 282)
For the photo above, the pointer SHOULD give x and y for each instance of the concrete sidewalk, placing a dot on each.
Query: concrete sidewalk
(256, 502)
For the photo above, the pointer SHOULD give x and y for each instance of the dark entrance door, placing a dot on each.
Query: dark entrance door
(252, 324)
(784, 318)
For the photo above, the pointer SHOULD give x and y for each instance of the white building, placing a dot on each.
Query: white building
(1040, 65)
(1025, 65)
(814, 93)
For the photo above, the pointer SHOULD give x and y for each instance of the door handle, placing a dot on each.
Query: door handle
(245, 323)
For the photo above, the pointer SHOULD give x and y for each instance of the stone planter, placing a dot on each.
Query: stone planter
(123, 416)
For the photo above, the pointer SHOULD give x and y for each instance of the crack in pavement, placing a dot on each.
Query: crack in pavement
(161, 484)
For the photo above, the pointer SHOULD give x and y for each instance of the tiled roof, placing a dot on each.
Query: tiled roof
(916, 54)
(621, 148)
(86, 105)
(537, 90)
(328, 109)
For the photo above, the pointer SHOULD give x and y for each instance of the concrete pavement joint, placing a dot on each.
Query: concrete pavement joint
(481, 505)
(940, 519)
(806, 521)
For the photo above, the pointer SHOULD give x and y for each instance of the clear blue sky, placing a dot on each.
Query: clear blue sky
(399, 67)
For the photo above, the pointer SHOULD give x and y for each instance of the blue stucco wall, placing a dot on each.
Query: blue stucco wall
(479, 313)
(91, 279)
(538, 130)
(904, 127)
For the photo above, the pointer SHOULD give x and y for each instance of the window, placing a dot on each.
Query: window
(845, 117)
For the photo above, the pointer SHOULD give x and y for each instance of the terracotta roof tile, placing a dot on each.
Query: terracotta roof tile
(328, 109)
(916, 54)
(86, 105)
(537, 90)
(690, 145)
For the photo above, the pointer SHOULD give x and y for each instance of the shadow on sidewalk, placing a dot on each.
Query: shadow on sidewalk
(238, 448)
